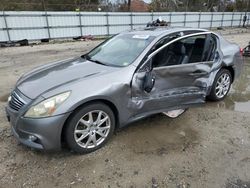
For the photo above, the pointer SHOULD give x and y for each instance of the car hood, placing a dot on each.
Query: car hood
(51, 76)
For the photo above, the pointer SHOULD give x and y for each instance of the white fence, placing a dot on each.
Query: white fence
(39, 25)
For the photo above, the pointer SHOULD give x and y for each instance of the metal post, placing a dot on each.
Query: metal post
(185, 17)
(247, 13)
(199, 21)
(211, 22)
(80, 22)
(6, 26)
(152, 16)
(248, 19)
(232, 19)
(107, 22)
(131, 20)
(222, 20)
(47, 23)
(240, 19)
(46, 18)
(170, 18)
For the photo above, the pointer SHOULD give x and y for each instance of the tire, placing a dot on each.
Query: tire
(84, 134)
(215, 94)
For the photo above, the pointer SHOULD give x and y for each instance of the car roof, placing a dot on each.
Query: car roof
(158, 31)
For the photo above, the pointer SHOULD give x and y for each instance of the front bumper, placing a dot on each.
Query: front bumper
(38, 133)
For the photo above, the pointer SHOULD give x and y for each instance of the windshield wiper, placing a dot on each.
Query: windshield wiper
(97, 61)
(94, 60)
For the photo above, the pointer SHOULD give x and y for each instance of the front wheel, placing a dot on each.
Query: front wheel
(221, 86)
(90, 128)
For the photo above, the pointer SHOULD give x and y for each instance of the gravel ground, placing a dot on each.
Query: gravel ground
(208, 146)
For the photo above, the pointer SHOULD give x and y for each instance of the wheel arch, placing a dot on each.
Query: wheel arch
(104, 101)
(231, 70)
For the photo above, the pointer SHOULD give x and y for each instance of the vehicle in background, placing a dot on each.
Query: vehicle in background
(246, 50)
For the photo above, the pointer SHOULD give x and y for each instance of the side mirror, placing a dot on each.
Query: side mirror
(149, 81)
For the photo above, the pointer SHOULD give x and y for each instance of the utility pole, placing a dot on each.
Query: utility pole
(248, 7)
(43, 4)
(129, 5)
(248, 10)
(107, 5)
(187, 5)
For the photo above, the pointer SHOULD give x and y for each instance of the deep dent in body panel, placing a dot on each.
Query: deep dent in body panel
(165, 97)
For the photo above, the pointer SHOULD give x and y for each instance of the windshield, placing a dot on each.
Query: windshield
(120, 50)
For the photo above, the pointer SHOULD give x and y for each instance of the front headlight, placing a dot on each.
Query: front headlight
(47, 107)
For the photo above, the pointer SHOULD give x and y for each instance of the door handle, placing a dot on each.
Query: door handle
(198, 73)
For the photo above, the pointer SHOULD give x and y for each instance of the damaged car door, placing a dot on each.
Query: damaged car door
(174, 76)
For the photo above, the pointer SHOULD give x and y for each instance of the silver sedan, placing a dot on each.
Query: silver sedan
(129, 76)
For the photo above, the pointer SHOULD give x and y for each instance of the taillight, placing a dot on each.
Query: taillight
(241, 51)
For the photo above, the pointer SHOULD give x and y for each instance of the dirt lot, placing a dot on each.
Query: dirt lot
(208, 146)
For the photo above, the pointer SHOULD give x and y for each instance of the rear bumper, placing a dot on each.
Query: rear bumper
(39, 133)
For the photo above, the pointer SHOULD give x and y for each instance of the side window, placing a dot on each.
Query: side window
(212, 48)
(200, 48)
(174, 54)
(189, 50)
(165, 40)
(195, 48)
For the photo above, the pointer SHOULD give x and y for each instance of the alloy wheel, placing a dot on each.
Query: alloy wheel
(92, 129)
(222, 85)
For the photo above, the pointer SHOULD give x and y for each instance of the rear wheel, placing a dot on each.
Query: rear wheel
(221, 86)
(90, 128)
